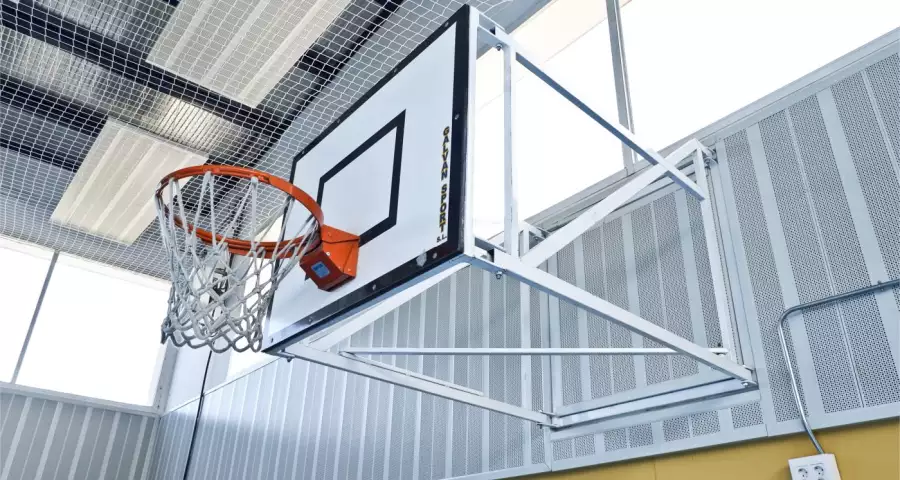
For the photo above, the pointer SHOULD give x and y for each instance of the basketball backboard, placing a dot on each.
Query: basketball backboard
(392, 170)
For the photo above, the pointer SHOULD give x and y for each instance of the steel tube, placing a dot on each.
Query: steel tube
(517, 351)
(784, 347)
(34, 317)
(620, 74)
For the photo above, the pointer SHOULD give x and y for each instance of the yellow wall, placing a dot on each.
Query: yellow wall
(864, 452)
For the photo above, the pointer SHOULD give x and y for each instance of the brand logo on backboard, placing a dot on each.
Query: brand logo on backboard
(445, 187)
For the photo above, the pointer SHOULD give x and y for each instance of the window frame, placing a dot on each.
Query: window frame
(35, 250)
(159, 383)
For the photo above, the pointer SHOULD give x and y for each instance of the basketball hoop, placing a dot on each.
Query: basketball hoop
(223, 274)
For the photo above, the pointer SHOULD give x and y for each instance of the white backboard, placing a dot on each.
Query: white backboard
(391, 170)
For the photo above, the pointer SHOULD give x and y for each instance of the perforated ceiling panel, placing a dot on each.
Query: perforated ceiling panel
(241, 49)
(244, 83)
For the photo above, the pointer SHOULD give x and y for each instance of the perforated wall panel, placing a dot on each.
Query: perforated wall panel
(816, 190)
(668, 434)
(650, 258)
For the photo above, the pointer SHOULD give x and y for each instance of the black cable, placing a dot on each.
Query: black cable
(187, 463)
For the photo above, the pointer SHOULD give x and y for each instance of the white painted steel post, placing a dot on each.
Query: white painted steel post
(525, 341)
(715, 259)
(510, 181)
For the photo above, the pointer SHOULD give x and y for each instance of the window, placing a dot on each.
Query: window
(692, 62)
(559, 150)
(97, 334)
(24, 269)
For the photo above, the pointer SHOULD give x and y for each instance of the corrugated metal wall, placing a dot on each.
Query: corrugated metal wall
(807, 197)
(172, 443)
(47, 439)
(296, 420)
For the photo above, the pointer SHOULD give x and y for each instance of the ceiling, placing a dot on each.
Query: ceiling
(68, 68)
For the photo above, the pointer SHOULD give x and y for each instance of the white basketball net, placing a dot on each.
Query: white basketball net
(219, 299)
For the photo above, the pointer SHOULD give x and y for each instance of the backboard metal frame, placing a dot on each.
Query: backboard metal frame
(513, 257)
(437, 259)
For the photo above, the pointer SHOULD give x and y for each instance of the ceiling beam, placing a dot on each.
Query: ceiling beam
(51, 106)
(41, 23)
(48, 156)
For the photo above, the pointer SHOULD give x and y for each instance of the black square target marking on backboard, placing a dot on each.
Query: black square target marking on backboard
(395, 126)
(392, 169)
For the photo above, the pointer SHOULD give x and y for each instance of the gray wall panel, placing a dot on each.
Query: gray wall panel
(34, 423)
(831, 165)
(77, 417)
(49, 439)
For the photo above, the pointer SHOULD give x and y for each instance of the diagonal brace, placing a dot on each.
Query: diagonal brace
(563, 290)
(618, 131)
(593, 215)
(574, 229)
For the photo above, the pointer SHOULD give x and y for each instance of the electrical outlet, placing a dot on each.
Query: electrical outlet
(816, 467)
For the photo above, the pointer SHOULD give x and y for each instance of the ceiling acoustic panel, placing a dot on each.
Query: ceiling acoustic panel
(111, 195)
(241, 48)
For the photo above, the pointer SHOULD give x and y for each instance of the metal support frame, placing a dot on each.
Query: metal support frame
(408, 373)
(620, 75)
(330, 337)
(580, 298)
(352, 365)
(517, 260)
(715, 262)
(510, 190)
(34, 317)
(583, 420)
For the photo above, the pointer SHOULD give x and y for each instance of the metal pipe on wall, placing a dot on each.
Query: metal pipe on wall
(784, 348)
